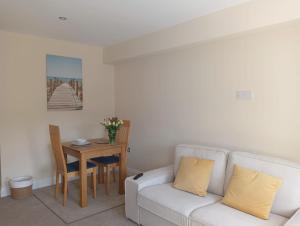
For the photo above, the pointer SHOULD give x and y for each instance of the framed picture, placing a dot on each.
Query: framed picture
(64, 83)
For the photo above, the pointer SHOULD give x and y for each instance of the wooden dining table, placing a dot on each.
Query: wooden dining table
(92, 150)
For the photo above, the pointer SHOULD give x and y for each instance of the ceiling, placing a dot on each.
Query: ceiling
(101, 22)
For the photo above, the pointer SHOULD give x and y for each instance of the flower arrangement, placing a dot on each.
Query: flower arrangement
(112, 125)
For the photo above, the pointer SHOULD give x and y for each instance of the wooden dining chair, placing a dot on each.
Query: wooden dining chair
(107, 164)
(66, 170)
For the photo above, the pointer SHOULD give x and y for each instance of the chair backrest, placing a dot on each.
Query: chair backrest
(57, 148)
(123, 133)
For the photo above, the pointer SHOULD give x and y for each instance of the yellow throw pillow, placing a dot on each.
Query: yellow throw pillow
(252, 192)
(193, 175)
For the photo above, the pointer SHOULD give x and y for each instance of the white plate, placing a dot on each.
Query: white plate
(80, 140)
(80, 143)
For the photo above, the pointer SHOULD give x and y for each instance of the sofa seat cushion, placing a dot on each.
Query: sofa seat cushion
(172, 204)
(221, 215)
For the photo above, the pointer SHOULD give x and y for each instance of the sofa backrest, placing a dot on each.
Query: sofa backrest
(219, 155)
(287, 199)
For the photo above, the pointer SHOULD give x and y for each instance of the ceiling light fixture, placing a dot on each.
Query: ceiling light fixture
(62, 18)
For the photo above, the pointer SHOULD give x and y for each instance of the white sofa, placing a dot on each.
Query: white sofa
(152, 201)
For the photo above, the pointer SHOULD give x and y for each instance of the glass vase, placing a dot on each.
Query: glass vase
(112, 136)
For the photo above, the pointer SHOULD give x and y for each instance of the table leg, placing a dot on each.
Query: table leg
(123, 169)
(83, 181)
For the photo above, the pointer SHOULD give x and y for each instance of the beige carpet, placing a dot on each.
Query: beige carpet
(72, 211)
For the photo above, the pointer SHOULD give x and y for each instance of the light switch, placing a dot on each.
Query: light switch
(244, 95)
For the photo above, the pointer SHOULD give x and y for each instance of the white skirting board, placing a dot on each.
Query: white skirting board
(45, 182)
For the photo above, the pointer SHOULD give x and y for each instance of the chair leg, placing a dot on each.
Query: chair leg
(107, 179)
(114, 174)
(65, 186)
(100, 174)
(94, 180)
(91, 184)
(57, 184)
(62, 183)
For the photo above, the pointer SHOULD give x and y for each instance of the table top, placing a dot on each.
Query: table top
(92, 146)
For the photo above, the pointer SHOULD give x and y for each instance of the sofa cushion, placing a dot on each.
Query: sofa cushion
(193, 175)
(216, 184)
(251, 191)
(287, 199)
(221, 215)
(172, 204)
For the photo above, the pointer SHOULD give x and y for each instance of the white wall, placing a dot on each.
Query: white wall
(24, 118)
(188, 96)
(249, 16)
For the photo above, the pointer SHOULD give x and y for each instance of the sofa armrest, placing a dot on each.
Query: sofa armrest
(294, 220)
(132, 187)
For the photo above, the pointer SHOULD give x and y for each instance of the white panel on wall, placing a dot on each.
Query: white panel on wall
(244, 95)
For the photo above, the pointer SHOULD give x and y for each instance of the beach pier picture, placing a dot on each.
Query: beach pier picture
(64, 83)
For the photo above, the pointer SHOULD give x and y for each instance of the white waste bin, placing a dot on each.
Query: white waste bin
(21, 187)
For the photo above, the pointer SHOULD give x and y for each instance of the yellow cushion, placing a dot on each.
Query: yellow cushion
(251, 192)
(193, 175)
